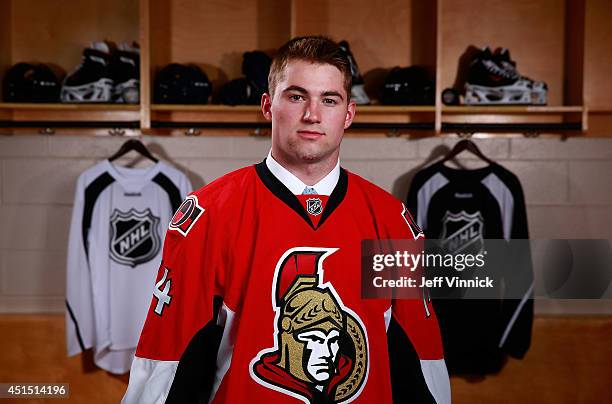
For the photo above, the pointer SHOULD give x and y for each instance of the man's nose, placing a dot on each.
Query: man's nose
(312, 114)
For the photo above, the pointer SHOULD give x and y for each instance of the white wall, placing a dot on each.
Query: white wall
(567, 184)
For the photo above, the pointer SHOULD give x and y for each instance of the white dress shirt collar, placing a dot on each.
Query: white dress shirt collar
(295, 185)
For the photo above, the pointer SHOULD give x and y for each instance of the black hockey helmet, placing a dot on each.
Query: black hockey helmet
(25, 82)
(181, 84)
(256, 67)
(408, 86)
(237, 92)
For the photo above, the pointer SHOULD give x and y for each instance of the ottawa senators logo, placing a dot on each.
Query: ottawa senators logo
(320, 351)
(186, 215)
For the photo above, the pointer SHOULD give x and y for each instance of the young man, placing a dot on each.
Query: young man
(258, 295)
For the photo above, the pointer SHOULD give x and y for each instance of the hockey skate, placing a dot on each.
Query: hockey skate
(490, 84)
(125, 73)
(90, 81)
(539, 89)
(358, 93)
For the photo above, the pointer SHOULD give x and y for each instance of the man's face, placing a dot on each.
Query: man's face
(309, 113)
(321, 350)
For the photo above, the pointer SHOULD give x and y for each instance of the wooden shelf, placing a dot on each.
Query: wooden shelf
(252, 114)
(515, 118)
(563, 42)
(207, 113)
(368, 117)
(25, 112)
(600, 109)
(394, 114)
(205, 108)
(69, 107)
(512, 109)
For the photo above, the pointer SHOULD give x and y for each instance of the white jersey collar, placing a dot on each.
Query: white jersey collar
(295, 185)
(133, 179)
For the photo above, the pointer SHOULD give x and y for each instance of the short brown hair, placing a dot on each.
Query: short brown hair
(313, 49)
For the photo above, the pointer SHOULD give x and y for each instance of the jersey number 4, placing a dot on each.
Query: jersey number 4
(162, 295)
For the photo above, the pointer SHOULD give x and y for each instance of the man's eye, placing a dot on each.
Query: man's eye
(330, 101)
(296, 97)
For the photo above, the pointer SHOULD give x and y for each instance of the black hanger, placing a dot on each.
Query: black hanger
(133, 144)
(468, 145)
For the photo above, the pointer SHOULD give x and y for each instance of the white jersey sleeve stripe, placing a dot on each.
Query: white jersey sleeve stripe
(528, 295)
(226, 348)
(436, 377)
(427, 191)
(150, 381)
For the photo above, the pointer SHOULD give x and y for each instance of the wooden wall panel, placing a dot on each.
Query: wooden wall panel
(533, 31)
(5, 36)
(144, 12)
(214, 33)
(378, 31)
(600, 123)
(598, 54)
(570, 361)
(382, 34)
(57, 31)
(574, 52)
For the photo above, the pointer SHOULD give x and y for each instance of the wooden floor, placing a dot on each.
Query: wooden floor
(570, 361)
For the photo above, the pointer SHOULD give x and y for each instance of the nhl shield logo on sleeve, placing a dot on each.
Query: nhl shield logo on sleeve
(134, 237)
(186, 215)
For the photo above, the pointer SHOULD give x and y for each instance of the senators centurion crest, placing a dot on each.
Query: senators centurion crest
(134, 237)
(320, 351)
(463, 232)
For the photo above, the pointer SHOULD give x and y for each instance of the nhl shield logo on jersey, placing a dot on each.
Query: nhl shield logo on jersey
(320, 351)
(463, 232)
(314, 206)
(134, 237)
(186, 215)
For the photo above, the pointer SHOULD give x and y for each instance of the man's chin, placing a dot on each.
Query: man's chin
(312, 154)
(311, 159)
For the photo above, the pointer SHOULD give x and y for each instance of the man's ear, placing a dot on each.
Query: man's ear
(266, 106)
(350, 114)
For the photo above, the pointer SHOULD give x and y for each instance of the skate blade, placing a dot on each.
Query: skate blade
(479, 95)
(96, 92)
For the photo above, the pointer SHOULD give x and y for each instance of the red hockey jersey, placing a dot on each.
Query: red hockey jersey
(258, 300)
